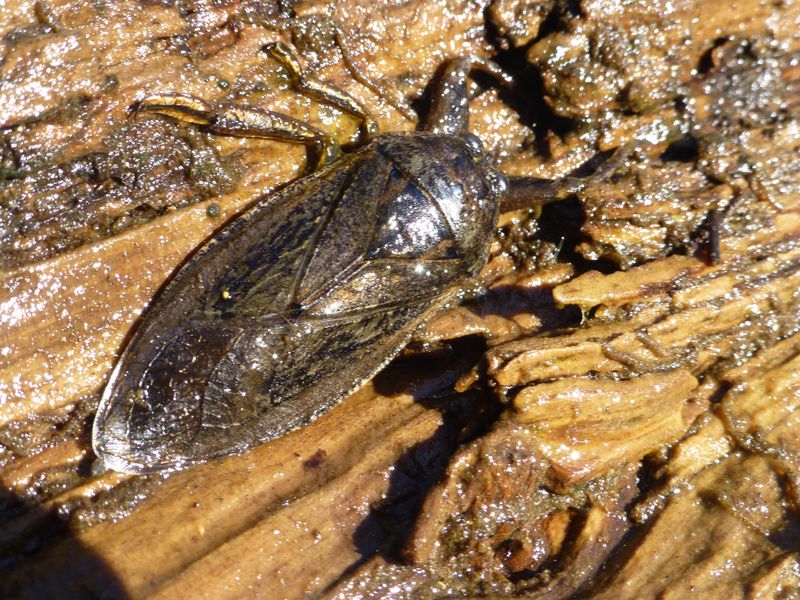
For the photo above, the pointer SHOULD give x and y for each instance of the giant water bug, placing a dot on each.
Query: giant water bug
(313, 289)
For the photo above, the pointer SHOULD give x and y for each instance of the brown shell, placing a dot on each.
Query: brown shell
(297, 302)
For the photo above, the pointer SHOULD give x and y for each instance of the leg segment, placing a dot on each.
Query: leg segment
(244, 121)
(323, 27)
(364, 79)
(530, 192)
(449, 113)
(320, 91)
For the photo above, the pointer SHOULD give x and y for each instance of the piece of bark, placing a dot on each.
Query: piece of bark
(585, 427)
(312, 489)
(708, 529)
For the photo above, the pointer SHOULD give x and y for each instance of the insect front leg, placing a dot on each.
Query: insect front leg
(531, 192)
(449, 114)
(244, 121)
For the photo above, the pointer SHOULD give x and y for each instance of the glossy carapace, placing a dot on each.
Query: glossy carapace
(312, 290)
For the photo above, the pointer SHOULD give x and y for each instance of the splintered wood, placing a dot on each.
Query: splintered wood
(612, 412)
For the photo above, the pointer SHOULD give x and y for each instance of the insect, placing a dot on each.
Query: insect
(312, 290)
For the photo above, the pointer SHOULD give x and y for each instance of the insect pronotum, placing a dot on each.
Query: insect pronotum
(313, 289)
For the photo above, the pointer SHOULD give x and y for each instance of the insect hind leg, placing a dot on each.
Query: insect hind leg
(243, 121)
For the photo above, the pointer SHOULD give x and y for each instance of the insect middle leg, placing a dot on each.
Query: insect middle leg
(320, 91)
(322, 27)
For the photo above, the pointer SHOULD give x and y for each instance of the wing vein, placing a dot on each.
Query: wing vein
(314, 239)
(428, 195)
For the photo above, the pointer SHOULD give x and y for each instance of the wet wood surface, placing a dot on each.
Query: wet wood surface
(612, 413)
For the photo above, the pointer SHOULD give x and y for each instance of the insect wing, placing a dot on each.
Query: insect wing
(270, 324)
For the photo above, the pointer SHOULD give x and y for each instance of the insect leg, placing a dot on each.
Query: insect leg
(449, 114)
(328, 29)
(531, 192)
(361, 77)
(321, 91)
(244, 121)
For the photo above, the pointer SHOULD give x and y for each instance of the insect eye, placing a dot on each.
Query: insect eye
(474, 144)
(497, 181)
